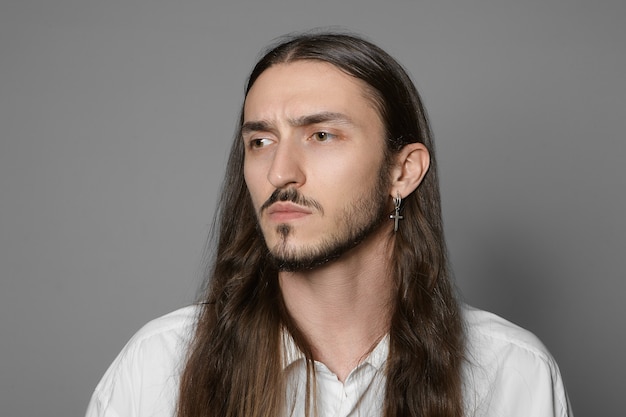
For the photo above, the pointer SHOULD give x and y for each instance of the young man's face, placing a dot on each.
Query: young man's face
(314, 162)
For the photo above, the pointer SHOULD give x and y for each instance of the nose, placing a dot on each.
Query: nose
(286, 168)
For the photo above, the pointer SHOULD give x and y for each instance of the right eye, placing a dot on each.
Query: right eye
(259, 143)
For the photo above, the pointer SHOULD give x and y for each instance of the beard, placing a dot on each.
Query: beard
(356, 222)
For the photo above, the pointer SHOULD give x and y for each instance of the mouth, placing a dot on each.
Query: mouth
(286, 211)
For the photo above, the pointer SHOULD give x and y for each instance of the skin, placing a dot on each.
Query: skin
(309, 127)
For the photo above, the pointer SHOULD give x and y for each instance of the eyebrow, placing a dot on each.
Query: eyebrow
(307, 120)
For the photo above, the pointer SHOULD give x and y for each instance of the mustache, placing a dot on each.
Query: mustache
(291, 195)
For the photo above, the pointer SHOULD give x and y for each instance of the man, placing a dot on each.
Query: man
(330, 293)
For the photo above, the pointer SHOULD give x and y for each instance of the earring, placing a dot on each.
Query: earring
(396, 214)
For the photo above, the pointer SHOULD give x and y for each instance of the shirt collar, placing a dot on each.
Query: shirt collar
(376, 358)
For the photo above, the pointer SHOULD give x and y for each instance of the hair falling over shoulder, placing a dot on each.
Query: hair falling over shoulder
(234, 365)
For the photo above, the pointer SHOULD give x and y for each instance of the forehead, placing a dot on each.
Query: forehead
(302, 87)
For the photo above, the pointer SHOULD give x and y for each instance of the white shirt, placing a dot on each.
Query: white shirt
(509, 374)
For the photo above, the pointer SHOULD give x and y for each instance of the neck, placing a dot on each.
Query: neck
(343, 307)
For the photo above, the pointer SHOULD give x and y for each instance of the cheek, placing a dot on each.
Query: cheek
(352, 176)
(253, 183)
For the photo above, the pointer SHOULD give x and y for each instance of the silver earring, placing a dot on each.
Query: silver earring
(396, 214)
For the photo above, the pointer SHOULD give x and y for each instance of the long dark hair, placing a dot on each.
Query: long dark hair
(234, 365)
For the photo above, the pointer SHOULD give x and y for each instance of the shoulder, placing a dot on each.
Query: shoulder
(164, 338)
(176, 326)
(509, 371)
(146, 371)
(485, 330)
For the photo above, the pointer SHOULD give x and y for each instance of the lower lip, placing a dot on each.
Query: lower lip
(283, 216)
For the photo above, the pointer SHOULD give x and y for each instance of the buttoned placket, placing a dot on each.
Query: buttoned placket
(361, 394)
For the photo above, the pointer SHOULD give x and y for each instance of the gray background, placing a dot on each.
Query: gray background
(116, 116)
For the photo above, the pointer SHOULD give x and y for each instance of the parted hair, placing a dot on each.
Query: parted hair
(234, 366)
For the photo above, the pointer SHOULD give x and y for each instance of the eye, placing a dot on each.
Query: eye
(322, 136)
(259, 143)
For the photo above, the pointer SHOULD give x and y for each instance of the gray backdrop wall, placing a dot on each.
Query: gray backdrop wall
(116, 116)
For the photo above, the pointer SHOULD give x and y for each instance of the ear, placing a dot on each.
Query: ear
(409, 168)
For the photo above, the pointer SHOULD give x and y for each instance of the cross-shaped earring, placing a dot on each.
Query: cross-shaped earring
(396, 214)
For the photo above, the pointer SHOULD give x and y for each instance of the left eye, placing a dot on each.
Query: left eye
(322, 136)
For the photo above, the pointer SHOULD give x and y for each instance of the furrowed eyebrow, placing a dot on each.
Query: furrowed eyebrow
(311, 119)
(255, 126)
(320, 118)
